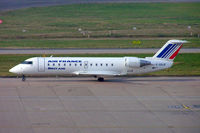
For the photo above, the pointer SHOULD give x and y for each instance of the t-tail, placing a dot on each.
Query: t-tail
(170, 50)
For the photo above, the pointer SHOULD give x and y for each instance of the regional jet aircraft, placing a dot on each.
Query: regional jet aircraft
(100, 67)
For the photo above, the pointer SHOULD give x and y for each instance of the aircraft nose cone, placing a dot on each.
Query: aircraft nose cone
(14, 70)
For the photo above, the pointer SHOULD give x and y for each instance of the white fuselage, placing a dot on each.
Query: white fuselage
(100, 67)
(90, 66)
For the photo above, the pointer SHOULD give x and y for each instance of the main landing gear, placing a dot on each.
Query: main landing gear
(23, 78)
(101, 79)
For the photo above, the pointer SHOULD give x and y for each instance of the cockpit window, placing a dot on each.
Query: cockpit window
(27, 62)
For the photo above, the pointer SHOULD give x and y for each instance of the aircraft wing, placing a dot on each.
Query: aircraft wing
(102, 73)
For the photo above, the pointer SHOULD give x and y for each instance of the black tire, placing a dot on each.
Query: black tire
(100, 79)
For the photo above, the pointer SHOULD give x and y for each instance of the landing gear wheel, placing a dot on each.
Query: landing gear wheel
(23, 78)
(100, 79)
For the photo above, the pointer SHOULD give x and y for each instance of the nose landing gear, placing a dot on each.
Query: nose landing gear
(23, 78)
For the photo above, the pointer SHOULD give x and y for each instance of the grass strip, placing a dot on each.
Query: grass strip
(102, 20)
(96, 43)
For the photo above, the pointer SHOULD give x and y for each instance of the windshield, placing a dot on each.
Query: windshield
(27, 62)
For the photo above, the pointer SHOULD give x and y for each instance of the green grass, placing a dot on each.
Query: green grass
(93, 43)
(185, 64)
(42, 24)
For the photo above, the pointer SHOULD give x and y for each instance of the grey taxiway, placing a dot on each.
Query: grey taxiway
(83, 105)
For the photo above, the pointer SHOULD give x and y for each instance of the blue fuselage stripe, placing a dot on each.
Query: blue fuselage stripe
(163, 52)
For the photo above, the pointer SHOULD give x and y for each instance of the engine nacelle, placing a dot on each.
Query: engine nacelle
(136, 62)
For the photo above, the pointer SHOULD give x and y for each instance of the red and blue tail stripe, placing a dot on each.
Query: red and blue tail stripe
(170, 49)
(173, 48)
(175, 53)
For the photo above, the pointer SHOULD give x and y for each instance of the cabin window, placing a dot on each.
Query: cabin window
(70, 64)
(27, 62)
(101, 64)
(90, 64)
(75, 64)
(59, 64)
(111, 64)
(48, 64)
(53, 64)
(64, 64)
(80, 64)
(96, 64)
(106, 64)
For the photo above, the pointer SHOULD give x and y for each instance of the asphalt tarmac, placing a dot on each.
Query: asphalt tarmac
(84, 105)
(90, 51)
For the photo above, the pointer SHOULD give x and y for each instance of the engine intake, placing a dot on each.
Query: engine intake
(136, 62)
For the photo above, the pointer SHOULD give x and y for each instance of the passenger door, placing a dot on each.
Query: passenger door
(41, 64)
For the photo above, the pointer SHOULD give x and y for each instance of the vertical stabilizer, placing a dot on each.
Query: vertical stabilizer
(170, 50)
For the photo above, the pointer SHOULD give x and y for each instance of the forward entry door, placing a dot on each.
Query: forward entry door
(41, 64)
